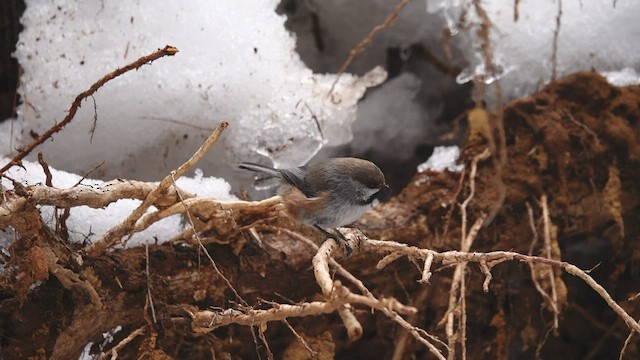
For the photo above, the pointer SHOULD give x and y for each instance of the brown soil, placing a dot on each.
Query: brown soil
(576, 142)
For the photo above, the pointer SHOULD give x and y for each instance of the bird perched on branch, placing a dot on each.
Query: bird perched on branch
(328, 194)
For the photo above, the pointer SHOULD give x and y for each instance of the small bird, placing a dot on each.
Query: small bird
(328, 194)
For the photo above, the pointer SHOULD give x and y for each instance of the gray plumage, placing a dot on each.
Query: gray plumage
(346, 187)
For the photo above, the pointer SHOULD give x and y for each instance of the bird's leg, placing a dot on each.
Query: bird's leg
(347, 246)
(337, 238)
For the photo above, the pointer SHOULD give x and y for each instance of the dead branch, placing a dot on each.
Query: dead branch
(337, 295)
(75, 105)
(554, 49)
(457, 295)
(547, 249)
(532, 268)
(491, 259)
(323, 278)
(304, 343)
(114, 235)
(114, 351)
(45, 168)
(627, 341)
(207, 320)
(362, 45)
(206, 208)
(70, 279)
(206, 252)
(402, 339)
(498, 121)
(94, 197)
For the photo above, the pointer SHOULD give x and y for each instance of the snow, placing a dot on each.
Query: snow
(236, 62)
(88, 224)
(443, 158)
(592, 35)
(624, 77)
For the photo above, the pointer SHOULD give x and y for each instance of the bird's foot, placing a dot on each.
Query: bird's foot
(338, 237)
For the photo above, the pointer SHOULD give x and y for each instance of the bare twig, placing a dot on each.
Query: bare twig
(45, 168)
(207, 320)
(211, 207)
(402, 339)
(493, 258)
(206, 252)
(264, 341)
(532, 268)
(178, 122)
(453, 202)
(457, 296)
(391, 310)
(114, 235)
(362, 45)
(114, 350)
(89, 173)
(304, 343)
(321, 272)
(547, 248)
(255, 341)
(627, 341)
(94, 197)
(95, 119)
(554, 49)
(339, 268)
(150, 298)
(75, 105)
(498, 121)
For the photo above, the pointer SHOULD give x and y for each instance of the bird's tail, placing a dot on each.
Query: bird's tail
(259, 168)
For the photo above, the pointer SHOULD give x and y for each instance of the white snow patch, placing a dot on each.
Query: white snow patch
(443, 158)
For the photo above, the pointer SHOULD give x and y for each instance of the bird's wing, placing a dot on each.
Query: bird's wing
(296, 177)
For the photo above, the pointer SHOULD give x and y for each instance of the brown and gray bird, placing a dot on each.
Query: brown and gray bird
(328, 194)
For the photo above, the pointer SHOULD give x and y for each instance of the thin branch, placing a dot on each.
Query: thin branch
(95, 120)
(362, 45)
(532, 268)
(206, 252)
(402, 339)
(498, 119)
(457, 296)
(304, 343)
(391, 310)
(96, 167)
(323, 278)
(114, 350)
(94, 197)
(75, 105)
(494, 257)
(264, 341)
(153, 309)
(554, 49)
(627, 341)
(114, 235)
(547, 248)
(45, 168)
